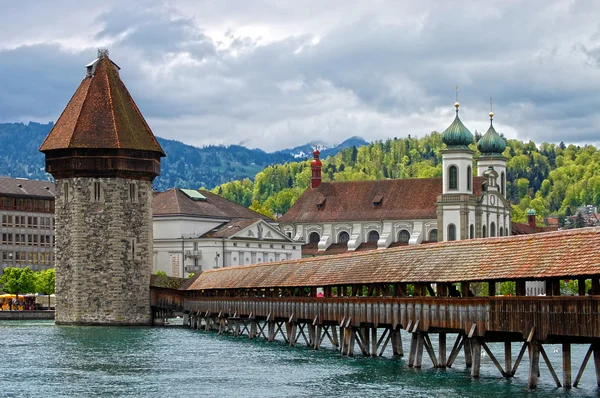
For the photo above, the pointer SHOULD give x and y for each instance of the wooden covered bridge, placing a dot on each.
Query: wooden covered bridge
(363, 300)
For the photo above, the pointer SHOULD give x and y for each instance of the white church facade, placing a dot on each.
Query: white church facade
(336, 217)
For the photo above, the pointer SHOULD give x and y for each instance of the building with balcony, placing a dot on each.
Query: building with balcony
(198, 230)
(27, 226)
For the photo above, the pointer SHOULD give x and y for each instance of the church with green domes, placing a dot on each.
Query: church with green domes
(467, 211)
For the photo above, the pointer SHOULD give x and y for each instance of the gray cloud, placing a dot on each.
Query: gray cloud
(274, 75)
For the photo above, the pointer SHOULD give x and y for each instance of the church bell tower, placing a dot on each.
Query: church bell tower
(104, 158)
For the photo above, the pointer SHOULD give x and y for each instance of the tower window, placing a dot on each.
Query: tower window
(373, 237)
(66, 191)
(452, 177)
(97, 195)
(133, 193)
(492, 229)
(483, 232)
(451, 232)
(502, 183)
(472, 231)
(343, 237)
(469, 178)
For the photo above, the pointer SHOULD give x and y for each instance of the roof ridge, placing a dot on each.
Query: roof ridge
(110, 100)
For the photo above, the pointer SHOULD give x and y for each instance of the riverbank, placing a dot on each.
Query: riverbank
(26, 315)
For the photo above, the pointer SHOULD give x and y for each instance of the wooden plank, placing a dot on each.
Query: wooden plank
(549, 365)
(442, 350)
(476, 356)
(493, 358)
(583, 365)
(458, 343)
(508, 358)
(430, 350)
(518, 361)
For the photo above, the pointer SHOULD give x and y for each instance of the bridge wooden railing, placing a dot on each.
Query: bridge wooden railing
(547, 316)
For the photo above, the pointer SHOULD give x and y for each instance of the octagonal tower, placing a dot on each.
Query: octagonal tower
(104, 158)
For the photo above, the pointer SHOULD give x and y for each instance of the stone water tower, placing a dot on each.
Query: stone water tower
(104, 158)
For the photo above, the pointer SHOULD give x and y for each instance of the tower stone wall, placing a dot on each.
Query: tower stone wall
(103, 251)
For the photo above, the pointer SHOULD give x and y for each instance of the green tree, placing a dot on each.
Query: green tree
(46, 282)
(579, 221)
(18, 280)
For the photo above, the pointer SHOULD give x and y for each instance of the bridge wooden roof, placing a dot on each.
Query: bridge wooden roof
(563, 254)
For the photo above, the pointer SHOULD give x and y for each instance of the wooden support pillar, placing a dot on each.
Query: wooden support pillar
(271, 331)
(476, 356)
(492, 288)
(352, 332)
(318, 339)
(311, 334)
(581, 287)
(252, 333)
(468, 357)
(534, 364)
(373, 341)
(442, 350)
(595, 286)
(397, 350)
(334, 336)
(566, 364)
(508, 358)
(520, 288)
(413, 349)
(464, 290)
(419, 352)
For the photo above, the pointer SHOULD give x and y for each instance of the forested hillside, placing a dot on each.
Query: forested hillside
(185, 166)
(550, 178)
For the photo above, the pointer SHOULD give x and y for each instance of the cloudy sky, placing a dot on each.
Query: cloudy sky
(275, 74)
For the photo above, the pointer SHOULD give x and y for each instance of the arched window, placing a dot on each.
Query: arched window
(343, 237)
(373, 237)
(483, 232)
(501, 232)
(469, 178)
(502, 183)
(403, 236)
(451, 232)
(492, 229)
(314, 237)
(433, 235)
(472, 231)
(452, 177)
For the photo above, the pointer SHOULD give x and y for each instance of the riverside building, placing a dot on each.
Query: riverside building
(27, 223)
(198, 230)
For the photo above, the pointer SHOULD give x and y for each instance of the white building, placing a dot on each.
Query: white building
(334, 217)
(198, 230)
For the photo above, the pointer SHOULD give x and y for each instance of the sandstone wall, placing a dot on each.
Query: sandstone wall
(103, 252)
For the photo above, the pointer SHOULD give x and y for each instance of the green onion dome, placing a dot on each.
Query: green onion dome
(457, 135)
(491, 144)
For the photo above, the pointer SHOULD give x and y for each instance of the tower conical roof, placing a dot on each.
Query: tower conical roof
(491, 144)
(457, 135)
(101, 115)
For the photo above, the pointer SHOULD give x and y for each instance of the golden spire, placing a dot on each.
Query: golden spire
(491, 111)
(456, 104)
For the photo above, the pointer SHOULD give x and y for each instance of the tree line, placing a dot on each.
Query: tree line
(552, 179)
(17, 281)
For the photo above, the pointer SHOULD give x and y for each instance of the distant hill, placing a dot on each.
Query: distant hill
(305, 151)
(185, 166)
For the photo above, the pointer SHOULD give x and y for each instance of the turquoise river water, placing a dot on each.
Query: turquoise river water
(40, 359)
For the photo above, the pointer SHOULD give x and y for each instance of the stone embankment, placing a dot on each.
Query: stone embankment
(25, 315)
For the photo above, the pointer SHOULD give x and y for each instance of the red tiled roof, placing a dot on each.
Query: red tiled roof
(568, 253)
(17, 187)
(524, 229)
(231, 228)
(412, 198)
(102, 115)
(175, 202)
